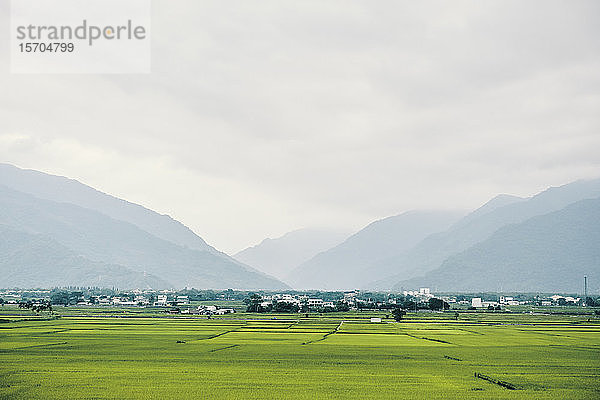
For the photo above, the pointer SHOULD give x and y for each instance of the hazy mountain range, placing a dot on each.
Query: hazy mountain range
(346, 265)
(386, 254)
(475, 228)
(64, 190)
(549, 253)
(281, 255)
(31, 260)
(98, 240)
(56, 231)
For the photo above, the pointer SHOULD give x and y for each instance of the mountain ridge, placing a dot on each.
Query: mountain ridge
(66, 190)
(278, 256)
(103, 239)
(549, 252)
(34, 260)
(432, 251)
(343, 266)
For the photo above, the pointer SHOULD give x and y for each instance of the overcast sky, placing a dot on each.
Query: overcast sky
(263, 117)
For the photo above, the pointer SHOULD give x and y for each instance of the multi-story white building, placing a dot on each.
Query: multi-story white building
(315, 302)
(161, 300)
(350, 296)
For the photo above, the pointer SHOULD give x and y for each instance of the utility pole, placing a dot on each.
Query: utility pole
(584, 290)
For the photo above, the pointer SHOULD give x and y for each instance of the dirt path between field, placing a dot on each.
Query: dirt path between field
(335, 330)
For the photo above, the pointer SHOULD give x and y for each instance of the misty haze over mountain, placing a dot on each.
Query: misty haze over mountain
(281, 255)
(546, 253)
(57, 232)
(64, 190)
(476, 227)
(272, 116)
(84, 246)
(344, 266)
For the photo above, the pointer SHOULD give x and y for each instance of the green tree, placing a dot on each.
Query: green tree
(285, 307)
(253, 303)
(25, 304)
(590, 302)
(438, 304)
(398, 313)
(42, 306)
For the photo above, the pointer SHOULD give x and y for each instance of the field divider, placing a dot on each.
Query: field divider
(578, 348)
(335, 330)
(51, 332)
(504, 384)
(426, 338)
(223, 348)
(546, 334)
(218, 334)
(40, 345)
(452, 358)
(467, 330)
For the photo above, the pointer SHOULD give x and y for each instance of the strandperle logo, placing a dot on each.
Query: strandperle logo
(85, 31)
(80, 36)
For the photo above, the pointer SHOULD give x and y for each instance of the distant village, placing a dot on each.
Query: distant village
(192, 301)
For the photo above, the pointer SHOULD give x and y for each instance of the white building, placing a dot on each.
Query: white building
(161, 300)
(315, 302)
(572, 299)
(489, 303)
(223, 311)
(509, 301)
(476, 302)
(350, 296)
(117, 300)
(285, 297)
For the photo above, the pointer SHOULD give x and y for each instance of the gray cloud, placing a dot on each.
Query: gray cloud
(262, 117)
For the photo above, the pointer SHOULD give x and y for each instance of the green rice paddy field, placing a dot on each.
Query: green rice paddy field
(339, 357)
